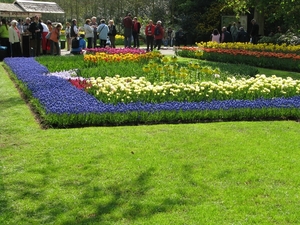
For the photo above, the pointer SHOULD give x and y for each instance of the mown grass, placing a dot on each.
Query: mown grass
(207, 173)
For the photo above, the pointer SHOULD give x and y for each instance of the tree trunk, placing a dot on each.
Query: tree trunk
(260, 19)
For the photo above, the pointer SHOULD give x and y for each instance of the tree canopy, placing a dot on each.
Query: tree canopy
(197, 18)
(286, 11)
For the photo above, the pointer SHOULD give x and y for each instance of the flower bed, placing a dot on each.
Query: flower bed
(263, 47)
(60, 104)
(262, 55)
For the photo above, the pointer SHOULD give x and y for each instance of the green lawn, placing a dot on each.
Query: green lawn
(279, 73)
(206, 173)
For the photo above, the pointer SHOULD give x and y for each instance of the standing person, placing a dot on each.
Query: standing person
(225, 36)
(158, 35)
(172, 37)
(68, 35)
(169, 35)
(112, 33)
(14, 39)
(179, 37)
(26, 26)
(50, 28)
(74, 29)
(4, 36)
(136, 26)
(44, 34)
(239, 25)
(89, 32)
(127, 22)
(254, 31)
(234, 31)
(215, 36)
(103, 31)
(95, 25)
(55, 36)
(149, 32)
(20, 25)
(242, 36)
(36, 30)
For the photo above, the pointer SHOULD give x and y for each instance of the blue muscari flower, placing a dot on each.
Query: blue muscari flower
(58, 96)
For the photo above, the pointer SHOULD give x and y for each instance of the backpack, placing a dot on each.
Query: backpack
(157, 31)
(75, 43)
(72, 31)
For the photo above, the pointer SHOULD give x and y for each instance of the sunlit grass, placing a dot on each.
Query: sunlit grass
(207, 173)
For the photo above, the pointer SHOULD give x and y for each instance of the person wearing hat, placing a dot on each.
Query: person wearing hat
(158, 35)
(14, 39)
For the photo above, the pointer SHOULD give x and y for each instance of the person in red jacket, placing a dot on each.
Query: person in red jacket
(158, 35)
(149, 32)
(136, 26)
(127, 22)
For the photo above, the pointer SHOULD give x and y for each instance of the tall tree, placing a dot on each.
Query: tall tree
(271, 10)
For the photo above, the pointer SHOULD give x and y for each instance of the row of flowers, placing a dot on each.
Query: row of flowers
(280, 61)
(262, 47)
(116, 50)
(244, 52)
(61, 104)
(120, 56)
(131, 89)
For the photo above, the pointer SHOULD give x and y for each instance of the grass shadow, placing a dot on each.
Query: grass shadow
(126, 202)
(6, 103)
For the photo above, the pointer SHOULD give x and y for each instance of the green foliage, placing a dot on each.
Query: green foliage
(289, 38)
(238, 69)
(270, 39)
(125, 69)
(275, 10)
(55, 64)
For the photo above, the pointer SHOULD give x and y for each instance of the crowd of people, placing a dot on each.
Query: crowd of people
(236, 33)
(31, 37)
(44, 37)
(156, 35)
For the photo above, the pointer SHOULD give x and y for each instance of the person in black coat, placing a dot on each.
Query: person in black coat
(225, 36)
(242, 36)
(179, 38)
(36, 30)
(254, 31)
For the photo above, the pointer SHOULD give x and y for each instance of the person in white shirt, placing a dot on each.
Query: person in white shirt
(215, 36)
(14, 39)
(89, 32)
(74, 29)
(44, 34)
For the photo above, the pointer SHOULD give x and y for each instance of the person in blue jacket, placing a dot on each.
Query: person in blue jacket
(103, 33)
(78, 45)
